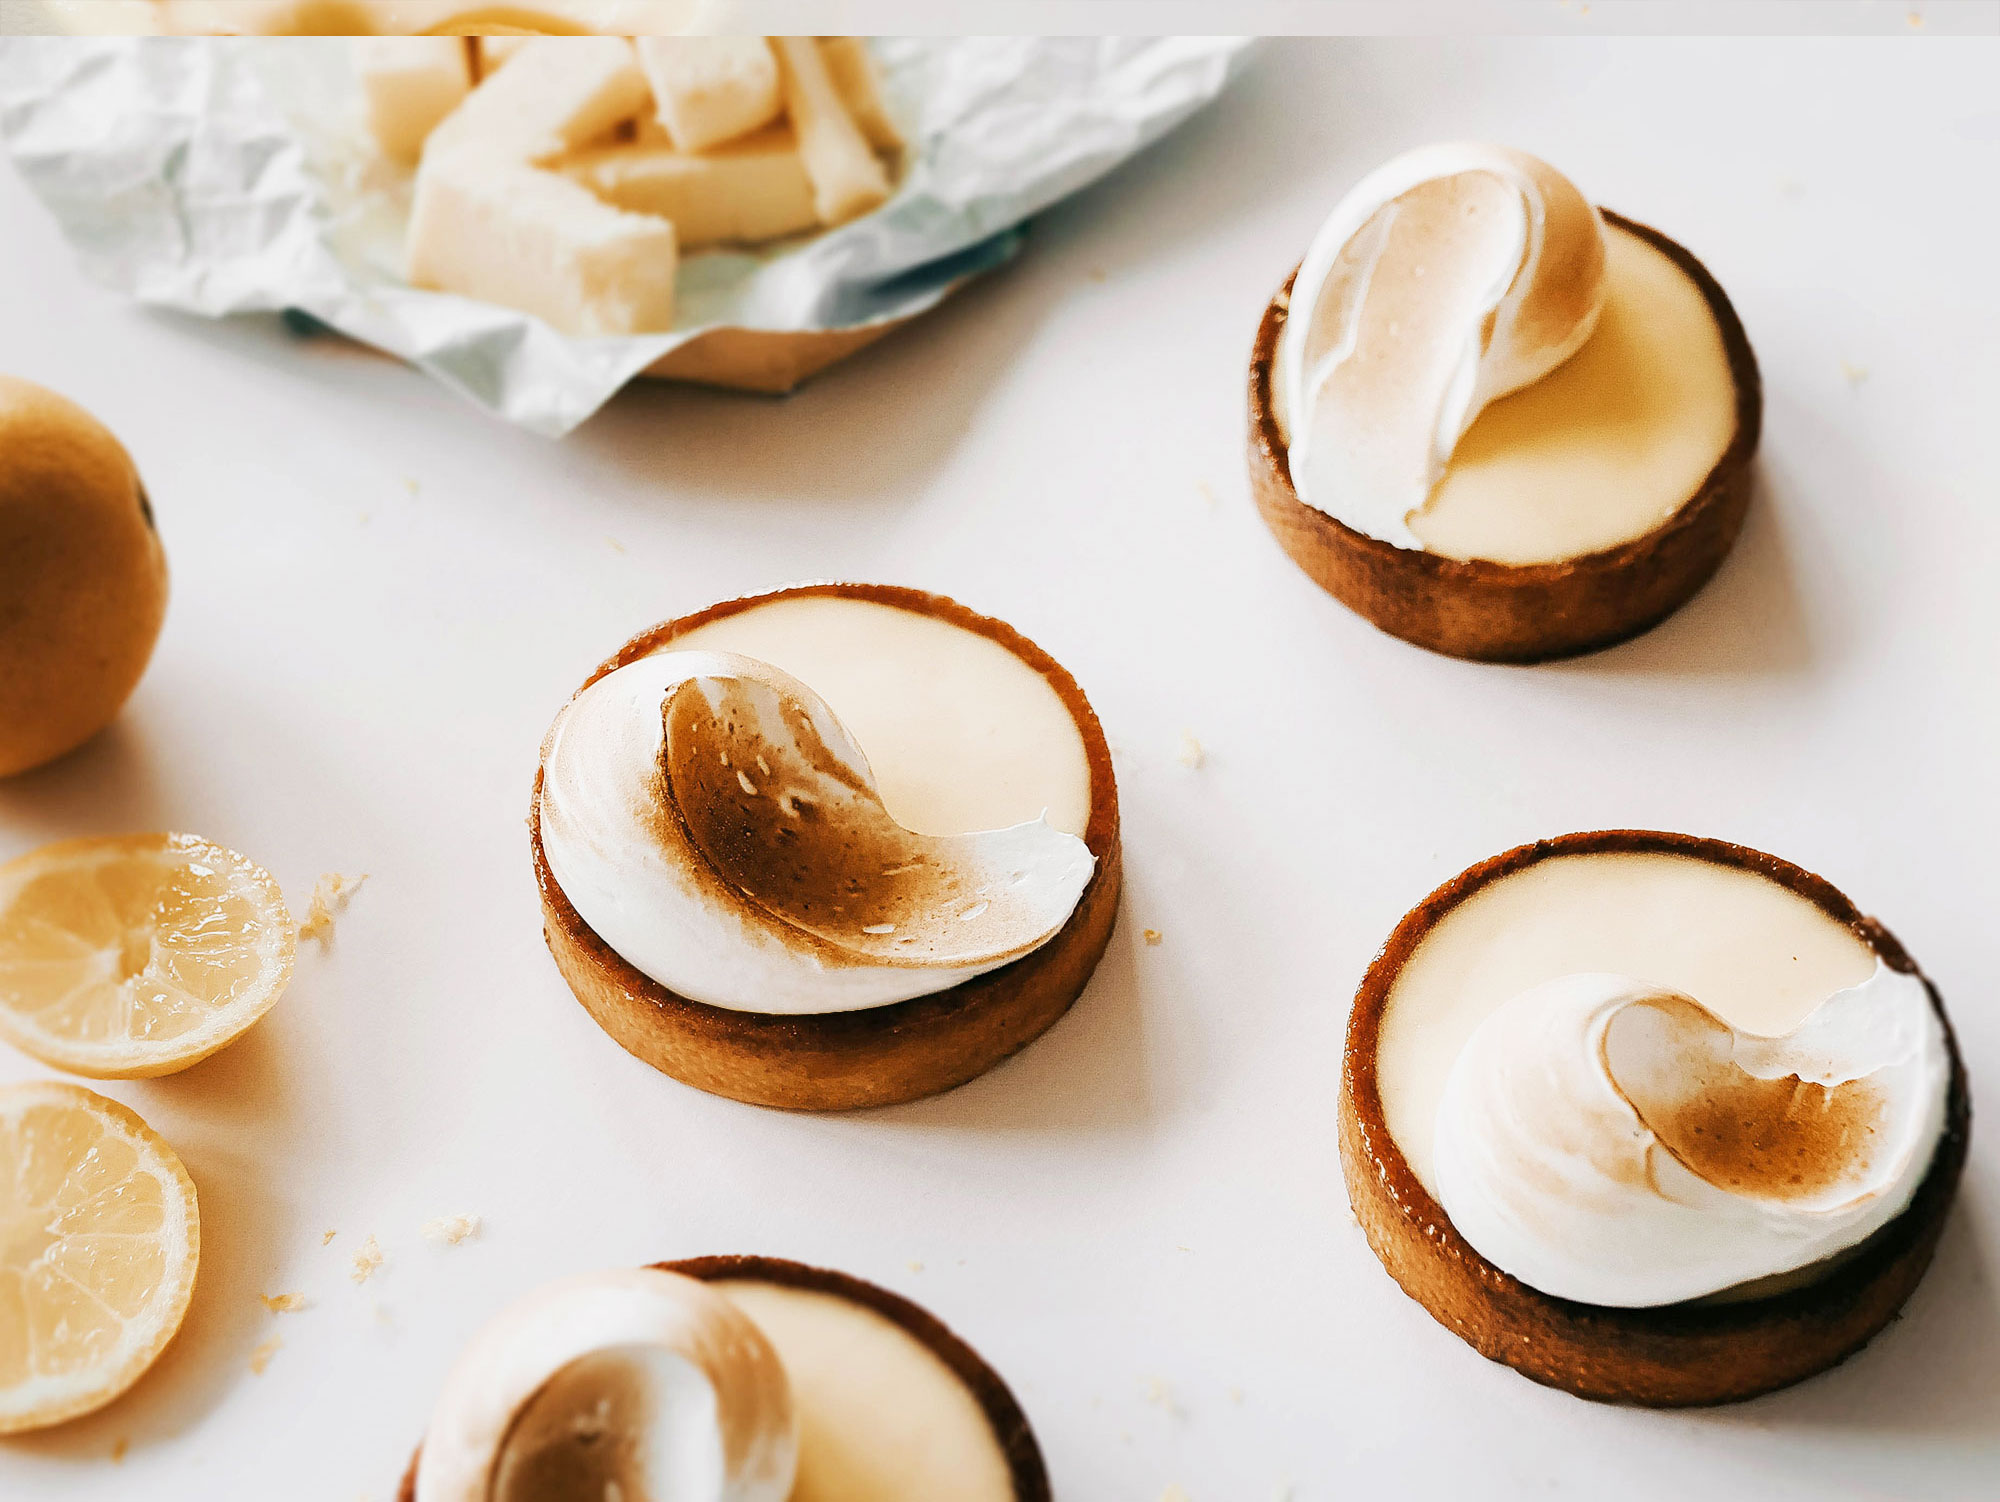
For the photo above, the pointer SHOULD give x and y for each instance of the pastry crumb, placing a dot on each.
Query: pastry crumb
(118, 1448)
(331, 894)
(616, 545)
(1207, 492)
(1190, 755)
(1159, 1392)
(450, 1230)
(284, 1303)
(367, 1257)
(261, 1357)
(326, 1237)
(1175, 1494)
(1236, 1395)
(410, 484)
(915, 1266)
(1915, 18)
(1855, 374)
(1153, 937)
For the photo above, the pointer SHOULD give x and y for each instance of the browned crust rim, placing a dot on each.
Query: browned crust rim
(1010, 1425)
(847, 1060)
(1679, 1355)
(1500, 612)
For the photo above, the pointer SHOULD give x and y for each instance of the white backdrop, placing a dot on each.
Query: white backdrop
(380, 598)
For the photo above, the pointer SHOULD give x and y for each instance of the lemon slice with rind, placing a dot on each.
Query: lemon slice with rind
(137, 955)
(99, 1238)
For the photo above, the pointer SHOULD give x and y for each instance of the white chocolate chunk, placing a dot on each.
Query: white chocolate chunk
(853, 72)
(537, 241)
(711, 89)
(555, 95)
(752, 189)
(846, 178)
(408, 85)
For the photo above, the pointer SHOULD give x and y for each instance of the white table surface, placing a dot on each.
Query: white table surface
(381, 596)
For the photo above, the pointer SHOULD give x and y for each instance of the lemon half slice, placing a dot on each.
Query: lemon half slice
(137, 955)
(99, 1237)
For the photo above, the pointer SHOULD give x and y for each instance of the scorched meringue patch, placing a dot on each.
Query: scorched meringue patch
(1611, 1141)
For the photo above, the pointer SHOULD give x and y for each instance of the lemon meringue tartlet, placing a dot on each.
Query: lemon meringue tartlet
(1495, 421)
(751, 1379)
(835, 846)
(1650, 1118)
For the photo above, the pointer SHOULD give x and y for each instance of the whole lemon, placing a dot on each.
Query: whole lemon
(83, 579)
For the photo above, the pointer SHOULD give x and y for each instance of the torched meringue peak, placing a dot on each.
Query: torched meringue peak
(634, 1383)
(1605, 1140)
(1446, 279)
(712, 820)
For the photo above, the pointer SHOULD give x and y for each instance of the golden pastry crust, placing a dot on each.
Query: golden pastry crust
(1679, 1355)
(839, 1061)
(1500, 612)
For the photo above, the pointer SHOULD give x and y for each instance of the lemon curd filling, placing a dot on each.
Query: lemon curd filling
(1609, 444)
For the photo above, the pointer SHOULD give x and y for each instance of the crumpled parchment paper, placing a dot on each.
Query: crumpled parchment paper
(232, 175)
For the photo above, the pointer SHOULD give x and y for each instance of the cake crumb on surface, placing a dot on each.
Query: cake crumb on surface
(1190, 755)
(1855, 374)
(284, 1303)
(1175, 1494)
(1153, 936)
(331, 894)
(450, 1230)
(367, 1257)
(916, 1266)
(326, 1237)
(1206, 491)
(261, 1357)
(118, 1448)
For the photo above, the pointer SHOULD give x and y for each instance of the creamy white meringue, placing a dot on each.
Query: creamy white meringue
(709, 817)
(1606, 1140)
(1447, 278)
(636, 1382)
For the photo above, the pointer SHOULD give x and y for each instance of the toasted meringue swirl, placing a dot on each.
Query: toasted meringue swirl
(1446, 279)
(711, 819)
(635, 1383)
(1608, 1141)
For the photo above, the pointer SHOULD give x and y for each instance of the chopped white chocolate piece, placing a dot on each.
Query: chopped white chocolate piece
(752, 189)
(853, 72)
(451, 1229)
(711, 89)
(408, 85)
(847, 179)
(556, 94)
(539, 242)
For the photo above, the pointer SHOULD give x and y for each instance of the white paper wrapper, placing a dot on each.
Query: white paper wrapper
(230, 176)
